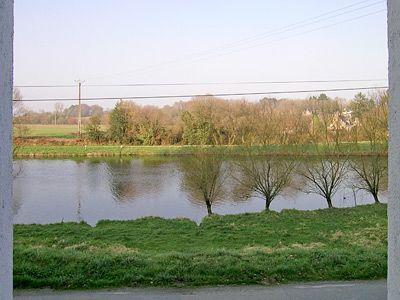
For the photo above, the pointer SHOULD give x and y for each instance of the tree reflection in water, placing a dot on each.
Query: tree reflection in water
(129, 179)
(203, 178)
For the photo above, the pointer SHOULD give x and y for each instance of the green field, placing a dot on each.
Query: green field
(257, 248)
(52, 131)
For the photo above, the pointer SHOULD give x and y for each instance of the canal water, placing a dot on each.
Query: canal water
(89, 190)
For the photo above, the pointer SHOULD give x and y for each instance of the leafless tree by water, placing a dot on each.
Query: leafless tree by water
(264, 177)
(324, 176)
(203, 178)
(370, 174)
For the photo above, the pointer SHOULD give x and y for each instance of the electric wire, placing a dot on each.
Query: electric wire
(204, 95)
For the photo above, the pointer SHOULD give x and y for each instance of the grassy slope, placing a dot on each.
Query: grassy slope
(113, 150)
(261, 248)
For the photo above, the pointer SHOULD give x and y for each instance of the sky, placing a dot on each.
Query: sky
(130, 41)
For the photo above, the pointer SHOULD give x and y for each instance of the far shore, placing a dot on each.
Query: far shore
(26, 150)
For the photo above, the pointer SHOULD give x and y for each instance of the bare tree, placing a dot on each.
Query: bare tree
(370, 173)
(324, 177)
(266, 177)
(203, 178)
(20, 130)
(58, 110)
(18, 107)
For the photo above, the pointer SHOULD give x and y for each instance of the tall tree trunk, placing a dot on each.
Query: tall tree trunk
(209, 211)
(267, 204)
(329, 201)
(376, 198)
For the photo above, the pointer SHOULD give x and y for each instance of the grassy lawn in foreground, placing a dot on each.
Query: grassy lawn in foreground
(256, 248)
(115, 150)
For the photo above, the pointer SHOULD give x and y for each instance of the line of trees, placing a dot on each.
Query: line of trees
(268, 177)
(60, 114)
(215, 121)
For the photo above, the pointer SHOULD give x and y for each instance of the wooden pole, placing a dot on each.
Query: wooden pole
(79, 110)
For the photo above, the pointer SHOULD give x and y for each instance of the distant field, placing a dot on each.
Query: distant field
(54, 131)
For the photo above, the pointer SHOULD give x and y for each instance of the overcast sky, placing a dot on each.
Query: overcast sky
(129, 41)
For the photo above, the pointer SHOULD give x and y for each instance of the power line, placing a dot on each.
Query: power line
(206, 95)
(214, 55)
(291, 27)
(291, 36)
(278, 30)
(235, 83)
(310, 21)
(303, 23)
(281, 30)
(46, 86)
(204, 83)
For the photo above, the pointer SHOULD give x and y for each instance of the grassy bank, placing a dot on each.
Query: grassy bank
(116, 150)
(260, 248)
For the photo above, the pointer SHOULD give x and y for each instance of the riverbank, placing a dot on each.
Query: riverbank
(257, 248)
(39, 151)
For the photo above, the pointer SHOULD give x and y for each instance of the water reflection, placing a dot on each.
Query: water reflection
(121, 176)
(129, 179)
(81, 172)
(203, 179)
(93, 189)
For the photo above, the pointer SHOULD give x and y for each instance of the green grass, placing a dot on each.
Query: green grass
(52, 131)
(257, 248)
(115, 150)
(70, 131)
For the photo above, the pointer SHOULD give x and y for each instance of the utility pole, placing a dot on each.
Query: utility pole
(79, 107)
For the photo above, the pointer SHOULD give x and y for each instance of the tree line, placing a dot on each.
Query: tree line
(214, 121)
(267, 177)
(210, 120)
